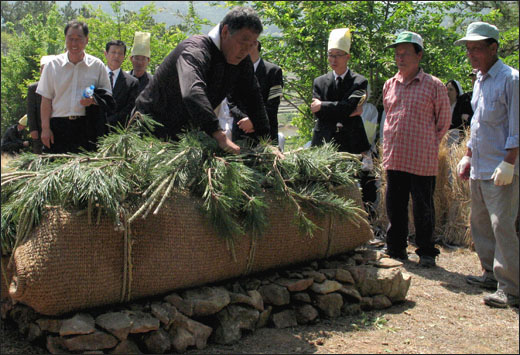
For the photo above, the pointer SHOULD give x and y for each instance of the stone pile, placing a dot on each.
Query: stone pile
(222, 313)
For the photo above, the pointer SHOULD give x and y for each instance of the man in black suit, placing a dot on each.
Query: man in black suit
(34, 102)
(270, 79)
(124, 85)
(337, 99)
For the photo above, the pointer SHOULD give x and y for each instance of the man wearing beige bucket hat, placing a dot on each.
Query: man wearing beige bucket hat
(199, 73)
(13, 139)
(418, 115)
(140, 58)
(491, 165)
(34, 102)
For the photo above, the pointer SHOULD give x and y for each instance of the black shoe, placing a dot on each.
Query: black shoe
(399, 255)
(483, 281)
(427, 261)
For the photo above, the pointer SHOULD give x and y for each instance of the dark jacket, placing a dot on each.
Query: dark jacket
(143, 80)
(34, 102)
(336, 107)
(270, 79)
(192, 81)
(12, 140)
(124, 93)
(96, 117)
(462, 106)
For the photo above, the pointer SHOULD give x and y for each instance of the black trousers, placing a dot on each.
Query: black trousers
(71, 135)
(398, 188)
(368, 184)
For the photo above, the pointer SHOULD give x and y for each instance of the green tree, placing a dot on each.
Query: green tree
(14, 11)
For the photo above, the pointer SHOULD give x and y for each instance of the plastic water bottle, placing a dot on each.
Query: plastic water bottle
(88, 92)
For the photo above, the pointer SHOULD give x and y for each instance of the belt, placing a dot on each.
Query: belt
(72, 118)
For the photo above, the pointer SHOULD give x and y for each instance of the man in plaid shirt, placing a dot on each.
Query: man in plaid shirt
(418, 114)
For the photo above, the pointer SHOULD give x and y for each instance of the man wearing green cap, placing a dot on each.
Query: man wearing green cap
(13, 139)
(491, 165)
(418, 114)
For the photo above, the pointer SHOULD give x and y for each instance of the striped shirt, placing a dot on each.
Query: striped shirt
(418, 114)
(494, 126)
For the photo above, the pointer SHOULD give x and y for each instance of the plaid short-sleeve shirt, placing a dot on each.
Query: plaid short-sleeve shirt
(418, 114)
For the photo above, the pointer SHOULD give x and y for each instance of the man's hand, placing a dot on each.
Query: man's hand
(463, 167)
(87, 101)
(246, 125)
(34, 135)
(315, 105)
(358, 112)
(47, 137)
(503, 174)
(225, 143)
(25, 143)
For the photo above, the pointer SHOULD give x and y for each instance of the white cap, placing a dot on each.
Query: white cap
(340, 38)
(141, 44)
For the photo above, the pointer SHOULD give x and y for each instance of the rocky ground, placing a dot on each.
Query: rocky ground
(441, 314)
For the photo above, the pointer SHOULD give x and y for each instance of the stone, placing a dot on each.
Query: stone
(157, 342)
(200, 332)
(314, 265)
(49, 325)
(295, 285)
(370, 255)
(328, 286)
(95, 341)
(232, 320)
(181, 339)
(275, 294)
(81, 323)
(142, 322)
(126, 346)
(351, 309)
(366, 303)
(376, 281)
(330, 304)
(316, 276)
(182, 306)
(350, 293)
(285, 319)
(34, 332)
(329, 273)
(253, 299)
(207, 300)
(388, 263)
(116, 323)
(264, 317)
(55, 345)
(344, 276)
(160, 312)
(294, 275)
(358, 258)
(301, 297)
(306, 314)
(381, 302)
(252, 284)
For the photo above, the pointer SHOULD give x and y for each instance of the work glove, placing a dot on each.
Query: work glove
(503, 174)
(463, 167)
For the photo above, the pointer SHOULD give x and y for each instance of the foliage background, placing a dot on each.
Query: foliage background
(31, 29)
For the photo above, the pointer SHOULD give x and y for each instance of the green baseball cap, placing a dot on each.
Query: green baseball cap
(407, 37)
(478, 31)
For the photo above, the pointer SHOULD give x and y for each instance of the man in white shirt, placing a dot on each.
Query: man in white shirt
(63, 110)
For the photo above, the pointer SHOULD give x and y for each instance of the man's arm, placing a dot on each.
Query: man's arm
(275, 84)
(442, 111)
(32, 112)
(124, 111)
(47, 136)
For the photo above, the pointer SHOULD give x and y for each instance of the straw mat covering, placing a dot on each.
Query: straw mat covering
(67, 264)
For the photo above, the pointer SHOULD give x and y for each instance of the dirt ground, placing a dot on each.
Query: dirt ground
(442, 314)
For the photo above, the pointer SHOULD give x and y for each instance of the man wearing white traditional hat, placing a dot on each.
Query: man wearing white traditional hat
(199, 73)
(34, 102)
(13, 139)
(338, 97)
(491, 165)
(140, 58)
(418, 115)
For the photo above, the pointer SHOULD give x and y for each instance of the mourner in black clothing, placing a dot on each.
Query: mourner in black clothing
(200, 72)
(270, 79)
(13, 139)
(124, 86)
(337, 99)
(140, 58)
(461, 112)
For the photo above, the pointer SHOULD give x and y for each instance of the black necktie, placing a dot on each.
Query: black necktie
(338, 82)
(111, 75)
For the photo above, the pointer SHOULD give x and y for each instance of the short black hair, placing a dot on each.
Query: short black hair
(77, 24)
(242, 17)
(115, 42)
(259, 46)
(490, 41)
